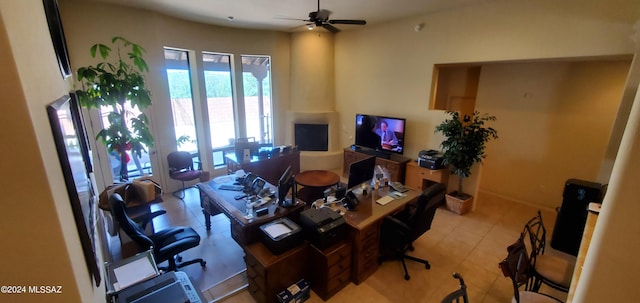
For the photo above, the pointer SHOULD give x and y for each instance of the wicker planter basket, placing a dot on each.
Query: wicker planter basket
(457, 205)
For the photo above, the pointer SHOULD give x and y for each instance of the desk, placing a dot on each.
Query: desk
(269, 168)
(420, 177)
(315, 182)
(244, 231)
(364, 229)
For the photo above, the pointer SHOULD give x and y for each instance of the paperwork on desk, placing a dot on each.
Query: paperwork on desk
(277, 230)
(133, 272)
(390, 197)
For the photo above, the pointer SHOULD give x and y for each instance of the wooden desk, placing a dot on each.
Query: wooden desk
(364, 223)
(269, 168)
(269, 274)
(420, 177)
(244, 231)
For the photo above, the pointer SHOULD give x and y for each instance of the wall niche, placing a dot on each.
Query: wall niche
(455, 87)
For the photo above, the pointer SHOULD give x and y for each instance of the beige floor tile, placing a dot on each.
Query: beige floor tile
(471, 244)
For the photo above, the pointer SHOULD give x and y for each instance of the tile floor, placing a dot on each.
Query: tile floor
(471, 244)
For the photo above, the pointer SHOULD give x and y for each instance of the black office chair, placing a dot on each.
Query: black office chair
(517, 267)
(551, 270)
(400, 230)
(167, 243)
(459, 294)
(181, 169)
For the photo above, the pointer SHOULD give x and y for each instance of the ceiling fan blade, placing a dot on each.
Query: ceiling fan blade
(294, 19)
(330, 28)
(346, 21)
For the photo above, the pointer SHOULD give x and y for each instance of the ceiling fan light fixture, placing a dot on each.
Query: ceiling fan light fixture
(310, 26)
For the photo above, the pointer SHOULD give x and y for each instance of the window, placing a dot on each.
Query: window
(256, 80)
(136, 166)
(217, 78)
(179, 77)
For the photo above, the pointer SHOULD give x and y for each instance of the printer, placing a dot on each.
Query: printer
(431, 159)
(280, 235)
(323, 226)
(170, 287)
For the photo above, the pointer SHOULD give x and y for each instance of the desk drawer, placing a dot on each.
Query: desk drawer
(433, 175)
(237, 233)
(338, 282)
(339, 255)
(253, 266)
(339, 267)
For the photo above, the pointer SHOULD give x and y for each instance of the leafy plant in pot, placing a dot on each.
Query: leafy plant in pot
(464, 144)
(111, 83)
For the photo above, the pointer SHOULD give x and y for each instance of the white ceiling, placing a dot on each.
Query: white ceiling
(273, 14)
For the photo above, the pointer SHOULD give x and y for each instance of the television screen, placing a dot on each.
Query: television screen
(380, 133)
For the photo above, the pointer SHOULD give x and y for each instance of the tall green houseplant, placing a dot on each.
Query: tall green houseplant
(464, 143)
(118, 78)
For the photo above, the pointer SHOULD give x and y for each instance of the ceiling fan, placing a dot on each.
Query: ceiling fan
(320, 18)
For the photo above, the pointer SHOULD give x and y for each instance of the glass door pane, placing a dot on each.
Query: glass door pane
(180, 91)
(256, 77)
(137, 166)
(217, 76)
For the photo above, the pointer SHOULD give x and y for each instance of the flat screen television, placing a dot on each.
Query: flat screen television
(361, 171)
(389, 131)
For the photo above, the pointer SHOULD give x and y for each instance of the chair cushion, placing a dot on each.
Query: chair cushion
(171, 241)
(534, 297)
(555, 269)
(186, 175)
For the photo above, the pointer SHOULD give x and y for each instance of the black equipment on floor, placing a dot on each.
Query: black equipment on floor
(567, 233)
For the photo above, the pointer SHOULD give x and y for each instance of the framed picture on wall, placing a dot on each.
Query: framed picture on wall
(68, 134)
(57, 36)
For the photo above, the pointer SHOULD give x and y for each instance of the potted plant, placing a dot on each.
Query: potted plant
(463, 146)
(114, 82)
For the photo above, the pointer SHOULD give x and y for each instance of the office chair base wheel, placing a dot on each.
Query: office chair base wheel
(179, 258)
(407, 277)
(427, 266)
(203, 263)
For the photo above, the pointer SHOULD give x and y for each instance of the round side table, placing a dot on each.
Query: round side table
(315, 182)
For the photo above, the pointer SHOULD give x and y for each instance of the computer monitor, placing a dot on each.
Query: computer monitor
(286, 183)
(361, 171)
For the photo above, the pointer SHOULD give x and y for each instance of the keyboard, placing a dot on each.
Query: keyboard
(231, 187)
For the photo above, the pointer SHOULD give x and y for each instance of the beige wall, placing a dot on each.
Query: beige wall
(40, 240)
(387, 69)
(554, 122)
